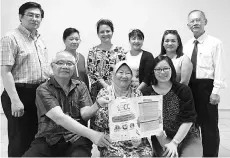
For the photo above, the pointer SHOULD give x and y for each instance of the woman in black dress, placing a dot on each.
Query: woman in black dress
(179, 113)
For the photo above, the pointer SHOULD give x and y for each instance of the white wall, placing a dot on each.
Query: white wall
(153, 17)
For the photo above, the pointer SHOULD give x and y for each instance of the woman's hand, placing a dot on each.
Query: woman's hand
(136, 142)
(103, 101)
(170, 150)
(103, 83)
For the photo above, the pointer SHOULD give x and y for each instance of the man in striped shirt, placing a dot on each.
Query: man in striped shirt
(24, 66)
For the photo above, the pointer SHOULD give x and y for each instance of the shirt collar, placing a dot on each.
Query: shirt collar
(74, 83)
(201, 38)
(27, 32)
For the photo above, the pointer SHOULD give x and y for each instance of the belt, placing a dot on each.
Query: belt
(28, 85)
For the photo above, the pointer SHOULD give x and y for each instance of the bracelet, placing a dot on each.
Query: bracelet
(98, 105)
(175, 141)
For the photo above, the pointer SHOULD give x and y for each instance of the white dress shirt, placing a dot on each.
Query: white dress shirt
(134, 64)
(210, 59)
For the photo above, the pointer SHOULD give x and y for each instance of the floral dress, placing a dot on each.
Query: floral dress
(122, 148)
(100, 63)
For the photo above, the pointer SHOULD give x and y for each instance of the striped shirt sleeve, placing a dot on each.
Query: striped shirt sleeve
(8, 51)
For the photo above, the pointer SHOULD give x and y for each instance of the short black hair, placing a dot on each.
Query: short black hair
(68, 32)
(138, 33)
(29, 5)
(179, 50)
(169, 61)
(105, 22)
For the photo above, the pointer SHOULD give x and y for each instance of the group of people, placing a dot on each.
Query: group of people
(48, 112)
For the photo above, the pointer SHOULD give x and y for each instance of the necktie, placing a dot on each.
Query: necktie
(194, 60)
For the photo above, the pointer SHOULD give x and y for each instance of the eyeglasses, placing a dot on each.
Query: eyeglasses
(63, 63)
(171, 31)
(31, 16)
(197, 20)
(158, 70)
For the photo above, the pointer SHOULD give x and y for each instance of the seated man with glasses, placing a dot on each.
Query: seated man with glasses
(64, 107)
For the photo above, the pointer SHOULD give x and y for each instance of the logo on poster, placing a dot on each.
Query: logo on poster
(123, 107)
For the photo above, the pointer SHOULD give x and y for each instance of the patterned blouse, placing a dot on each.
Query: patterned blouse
(122, 148)
(178, 108)
(100, 63)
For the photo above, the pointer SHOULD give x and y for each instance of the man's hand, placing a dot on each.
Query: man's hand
(214, 99)
(103, 101)
(17, 109)
(101, 139)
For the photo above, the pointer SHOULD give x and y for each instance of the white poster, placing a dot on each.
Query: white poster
(135, 118)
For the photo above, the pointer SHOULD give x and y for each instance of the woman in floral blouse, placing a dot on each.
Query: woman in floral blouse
(120, 87)
(103, 57)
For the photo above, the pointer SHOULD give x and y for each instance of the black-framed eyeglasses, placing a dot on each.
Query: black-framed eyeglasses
(31, 16)
(63, 63)
(166, 69)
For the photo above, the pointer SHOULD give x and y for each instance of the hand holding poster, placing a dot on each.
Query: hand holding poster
(135, 118)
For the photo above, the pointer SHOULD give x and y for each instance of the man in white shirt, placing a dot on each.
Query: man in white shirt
(206, 54)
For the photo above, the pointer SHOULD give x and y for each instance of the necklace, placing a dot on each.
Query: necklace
(77, 59)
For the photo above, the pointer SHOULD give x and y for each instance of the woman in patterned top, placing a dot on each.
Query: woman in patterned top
(121, 87)
(102, 58)
(71, 39)
(179, 113)
(171, 45)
